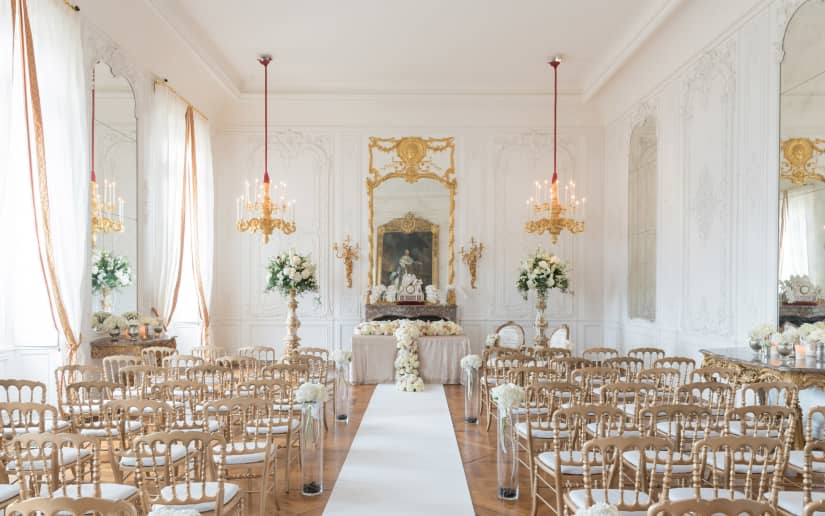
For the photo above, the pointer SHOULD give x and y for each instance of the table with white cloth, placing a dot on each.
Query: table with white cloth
(373, 358)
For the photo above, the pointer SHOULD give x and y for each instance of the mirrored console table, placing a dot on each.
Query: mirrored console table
(106, 347)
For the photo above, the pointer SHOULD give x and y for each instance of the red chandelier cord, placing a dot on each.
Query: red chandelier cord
(265, 60)
(555, 64)
(94, 176)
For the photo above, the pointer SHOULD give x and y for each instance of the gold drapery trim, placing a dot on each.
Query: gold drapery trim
(203, 310)
(179, 96)
(31, 94)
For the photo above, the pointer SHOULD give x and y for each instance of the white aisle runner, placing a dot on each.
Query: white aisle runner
(404, 459)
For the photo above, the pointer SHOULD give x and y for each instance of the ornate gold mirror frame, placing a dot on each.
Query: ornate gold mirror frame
(412, 162)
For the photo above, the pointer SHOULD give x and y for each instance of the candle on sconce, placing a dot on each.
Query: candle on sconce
(292, 209)
(120, 208)
(246, 192)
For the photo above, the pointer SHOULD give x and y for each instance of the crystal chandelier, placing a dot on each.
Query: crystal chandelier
(266, 207)
(545, 213)
(104, 219)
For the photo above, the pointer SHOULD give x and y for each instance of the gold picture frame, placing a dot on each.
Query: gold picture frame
(410, 225)
(412, 162)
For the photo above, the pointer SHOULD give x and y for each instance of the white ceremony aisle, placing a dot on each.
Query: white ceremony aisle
(404, 459)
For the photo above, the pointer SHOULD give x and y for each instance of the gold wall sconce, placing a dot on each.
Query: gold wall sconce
(471, 258)
(347, 252)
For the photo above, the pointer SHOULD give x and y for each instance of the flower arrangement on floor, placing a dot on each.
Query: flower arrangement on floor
(290, 271)
(542, 271)
(406, 332)
(599, 509)
(109, 272)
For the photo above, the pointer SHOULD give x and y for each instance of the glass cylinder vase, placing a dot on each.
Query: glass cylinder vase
(312, 449)
(471, 395)
(342, 392)
(507, 455)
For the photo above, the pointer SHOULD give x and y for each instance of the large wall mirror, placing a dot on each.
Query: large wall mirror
(115, 164)
(641, 219)
(411, 195)
(802, 167)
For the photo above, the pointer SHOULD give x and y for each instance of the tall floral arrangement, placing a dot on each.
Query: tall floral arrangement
(110, 272)
(542, 271)
(291, 271)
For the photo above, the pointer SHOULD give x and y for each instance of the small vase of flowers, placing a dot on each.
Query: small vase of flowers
(109, 273)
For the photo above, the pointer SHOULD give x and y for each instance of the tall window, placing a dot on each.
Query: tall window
(642, 222)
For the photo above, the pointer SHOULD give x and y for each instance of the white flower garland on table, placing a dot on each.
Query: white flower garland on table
(406, 333)
(599, 509)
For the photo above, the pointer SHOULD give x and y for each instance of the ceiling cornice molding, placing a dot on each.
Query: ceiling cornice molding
(635, 39)
(201, 46)
(370, 97)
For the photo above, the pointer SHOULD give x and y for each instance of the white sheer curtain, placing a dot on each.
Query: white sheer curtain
(794, 255)
(44, 197)
(166, 172)
(201, 217)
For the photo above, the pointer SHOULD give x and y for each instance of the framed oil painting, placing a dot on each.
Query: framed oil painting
(407, 245)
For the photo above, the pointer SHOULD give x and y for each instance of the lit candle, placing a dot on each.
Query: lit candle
(537, 191)
(293, 211)
(584, 207)
(246, 192)
(238, 209)
(105, 193)
(120, 208)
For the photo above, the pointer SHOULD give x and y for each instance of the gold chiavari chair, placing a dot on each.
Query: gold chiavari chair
(265, 355)
(545, 355)
(813, 433)
(783, 394)
(64, 465)
(628, 366)
(715, 374)
(684, 425)
(154, 355)
(22, 391)
(137, 381)
(599, 354)
(113, 364)
(812, 508)
(563, 366)
(559, 337)
(248, 427)
(176, 365)
(712, 508)
(561, 469)
(164, 485)
(285, 415)
(187, 398)
(796, 501)
(68, 374)
(684, 365)
(217, 380)
(666, 380)
(242, 367)
(631, 398)
(525, 376)
(732, 467)
(317, 362)
(294, 374)
(495, 371)
(209, 354)
(131, 419)
(761, 420)
(534, 433)
(634, 490)
(55, 506)
(718, 397)
(647, 354)
(592, 379)
(86, 401)
(21, 418)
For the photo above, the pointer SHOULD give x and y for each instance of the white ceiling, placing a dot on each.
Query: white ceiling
(422, 46)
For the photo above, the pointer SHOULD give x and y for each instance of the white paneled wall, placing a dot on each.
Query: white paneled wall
(326, 169)
(717, 195)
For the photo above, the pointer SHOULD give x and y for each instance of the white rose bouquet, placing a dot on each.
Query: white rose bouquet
(115, 322)
(762, 331)
(817, 335)
(310, 393)
(132, 317)
(492, 340)
(471, 362)
(599, 509)
(97, 320)
(290, 271)
(110, 272)
(508, 395)
(542, 271)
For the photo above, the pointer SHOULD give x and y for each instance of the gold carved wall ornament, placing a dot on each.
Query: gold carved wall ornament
(471, 258)
(349, 253)
(800, 160)
(411, 159)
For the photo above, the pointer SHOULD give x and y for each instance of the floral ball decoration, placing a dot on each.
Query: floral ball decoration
(508, 395)
(471, 362)
(110, 272)
(310, 393)
(762, 331)
(115, 322)
(342, 356)
(542, 271)
(291, 271)
(97, 320)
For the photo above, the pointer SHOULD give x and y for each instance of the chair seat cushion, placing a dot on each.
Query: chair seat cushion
(196, 424)
(242, 453)
(541, 430)
(68, 456)
(177, 453)
(670, 428)
(614, 497)
(131, 426)
(8, 491)
(197, 490)
(705, 493)
(107, 491)
(263, 427)
(686, 466)
(574, 460)
(741, 465)
(797, 459)
(593, 429)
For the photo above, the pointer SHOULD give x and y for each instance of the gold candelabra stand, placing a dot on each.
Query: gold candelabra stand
(101, 223)
(271, 215)
(347, 252)
(471, 258)
(550, 215)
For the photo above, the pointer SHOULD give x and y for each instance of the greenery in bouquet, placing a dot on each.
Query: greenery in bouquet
(110, 272)
(542, 271)
(97, 320)
(291, 271)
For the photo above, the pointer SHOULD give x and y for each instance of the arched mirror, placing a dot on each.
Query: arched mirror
(641, 220)
(802, 167)
(114, 194)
